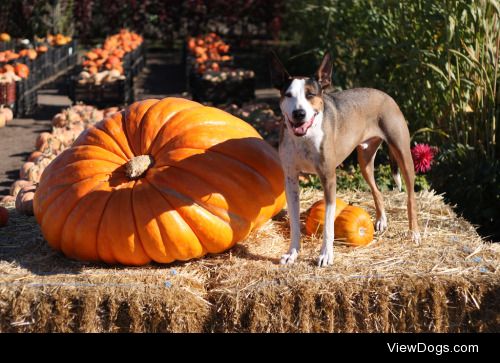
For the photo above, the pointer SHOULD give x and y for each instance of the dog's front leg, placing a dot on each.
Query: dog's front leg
(330, 189)
(293, 206)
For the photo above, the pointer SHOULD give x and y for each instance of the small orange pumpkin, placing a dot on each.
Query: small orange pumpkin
(316, 216)
(8, 68)
(7, 112)
(4, 37)
(22, 70)
(30, 53)
(18, 185)
(42, 49)
(354, 226)
(8, 199)
(24, 200)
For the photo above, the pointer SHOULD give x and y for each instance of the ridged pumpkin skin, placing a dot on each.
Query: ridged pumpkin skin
(354, 226)
(316, 217)
(213, 180)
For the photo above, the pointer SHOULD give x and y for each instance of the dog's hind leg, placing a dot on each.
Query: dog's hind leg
(366, 159)
(401, 152)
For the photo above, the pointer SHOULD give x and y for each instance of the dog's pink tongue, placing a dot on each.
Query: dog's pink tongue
(301, 129)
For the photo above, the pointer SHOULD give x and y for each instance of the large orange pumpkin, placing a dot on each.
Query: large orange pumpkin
(162, 180)
(316, 217)
(354, 226)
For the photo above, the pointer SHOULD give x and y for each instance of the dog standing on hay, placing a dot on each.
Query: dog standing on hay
(320, 129)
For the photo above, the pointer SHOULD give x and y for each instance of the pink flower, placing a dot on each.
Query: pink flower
(423, 155)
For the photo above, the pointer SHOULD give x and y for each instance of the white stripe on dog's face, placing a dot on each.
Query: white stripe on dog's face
(297, 100)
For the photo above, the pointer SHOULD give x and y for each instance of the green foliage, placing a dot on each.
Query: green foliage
(472, 181)
(350, 178)
(27, 18)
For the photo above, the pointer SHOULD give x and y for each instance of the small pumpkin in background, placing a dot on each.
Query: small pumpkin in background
(22, 70)
(2, 121)
(18, 185)
(7, 113)
(42, 49)
(316, 216)
(354, 226)
(30, 53)
(24, 200)
(34, 155)
(5, 37)
(8, 199)
(42, 139)
(24, 171)
(4, 216)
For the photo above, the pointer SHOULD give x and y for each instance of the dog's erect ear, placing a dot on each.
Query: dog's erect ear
(279, 75)
(324, 73)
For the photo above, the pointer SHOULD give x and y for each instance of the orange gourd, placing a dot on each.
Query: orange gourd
(22, 70)
(354, 226)
(24, 200)
(4, 37)
(7, 113)
(42, 49)
(160, 181)
(30, 53)
(316, 216)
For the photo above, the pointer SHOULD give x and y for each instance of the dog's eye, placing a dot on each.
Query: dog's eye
(288, 94)
(310, 95)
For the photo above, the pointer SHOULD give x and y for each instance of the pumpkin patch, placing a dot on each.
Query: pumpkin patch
(165, 180)
(105, 64)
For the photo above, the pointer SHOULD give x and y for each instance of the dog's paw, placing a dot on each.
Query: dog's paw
(326, 257)
(415, 237)
(290, 257)
(381, 223)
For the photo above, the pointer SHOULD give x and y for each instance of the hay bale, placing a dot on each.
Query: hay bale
(448, 283)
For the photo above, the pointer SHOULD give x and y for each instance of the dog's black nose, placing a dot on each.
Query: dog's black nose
(299, 114)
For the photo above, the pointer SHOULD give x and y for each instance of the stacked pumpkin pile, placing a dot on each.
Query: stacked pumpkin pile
(209, 52)
(105, 64)
(9, 75)
(22, 71)
(66, 127)
(212, 59)
(56, 39)
(212, 77)
(13, 72)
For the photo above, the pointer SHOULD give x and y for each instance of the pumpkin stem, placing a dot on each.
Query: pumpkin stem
(138, 165)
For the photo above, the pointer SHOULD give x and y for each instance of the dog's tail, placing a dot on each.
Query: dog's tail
(395, 170)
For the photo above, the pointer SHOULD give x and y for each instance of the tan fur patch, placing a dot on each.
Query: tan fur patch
(317, 101)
